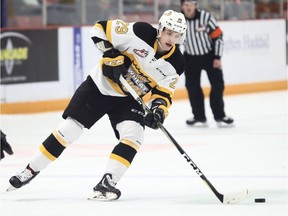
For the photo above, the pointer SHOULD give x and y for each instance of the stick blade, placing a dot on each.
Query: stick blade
(233, 198)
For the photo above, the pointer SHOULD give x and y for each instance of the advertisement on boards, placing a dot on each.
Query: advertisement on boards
(29, 56)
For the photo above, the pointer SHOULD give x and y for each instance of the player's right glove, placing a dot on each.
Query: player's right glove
(113, 65)
(5, 146)
(157, 115)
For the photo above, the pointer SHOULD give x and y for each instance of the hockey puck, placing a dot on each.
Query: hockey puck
(260, 200)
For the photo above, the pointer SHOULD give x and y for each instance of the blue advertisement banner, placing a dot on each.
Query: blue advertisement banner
(77, 57)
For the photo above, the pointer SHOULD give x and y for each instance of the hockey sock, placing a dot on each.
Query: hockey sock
(121, 158)
(67, 132)
(48, 151)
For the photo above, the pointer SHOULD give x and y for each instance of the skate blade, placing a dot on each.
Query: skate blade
(224, 125)
(199, 125)
(98, 196)
(11, 188)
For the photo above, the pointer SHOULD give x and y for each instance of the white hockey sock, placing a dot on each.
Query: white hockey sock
(67, 132)
(117, 169)
(39, 161)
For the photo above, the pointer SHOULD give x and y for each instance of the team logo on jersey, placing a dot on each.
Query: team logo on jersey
(142, 53)
(137, 81)
(137, 78)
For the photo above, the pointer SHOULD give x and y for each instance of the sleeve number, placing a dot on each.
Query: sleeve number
(172, 84)
(122, 27)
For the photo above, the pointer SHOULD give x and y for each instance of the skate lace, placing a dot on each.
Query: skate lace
(108, 182)
(24, 175)
(111, 182)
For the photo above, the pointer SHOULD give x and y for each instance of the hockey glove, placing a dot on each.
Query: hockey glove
(113, 65)
(5, 146)
(157, 115)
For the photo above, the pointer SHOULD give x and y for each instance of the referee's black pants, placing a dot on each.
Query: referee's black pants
(193, 68)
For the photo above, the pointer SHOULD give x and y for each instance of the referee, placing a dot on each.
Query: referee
(203, 48)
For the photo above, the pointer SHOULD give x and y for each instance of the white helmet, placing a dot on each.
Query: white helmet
(174, 21)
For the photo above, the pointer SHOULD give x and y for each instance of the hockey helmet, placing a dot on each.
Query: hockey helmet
(193, 1)
(174, 21)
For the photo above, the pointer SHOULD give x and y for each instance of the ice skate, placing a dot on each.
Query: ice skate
(105, 190)
(22, 178)
(197, 122)
(226, 121)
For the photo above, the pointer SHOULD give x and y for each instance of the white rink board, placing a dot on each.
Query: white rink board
(254, 51)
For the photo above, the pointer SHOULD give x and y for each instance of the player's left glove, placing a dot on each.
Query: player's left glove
(113, 65)
(157, 115)
(5, 146)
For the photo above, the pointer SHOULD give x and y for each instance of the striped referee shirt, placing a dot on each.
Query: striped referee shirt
(203, 35)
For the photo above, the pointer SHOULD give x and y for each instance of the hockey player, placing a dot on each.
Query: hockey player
(150, 61)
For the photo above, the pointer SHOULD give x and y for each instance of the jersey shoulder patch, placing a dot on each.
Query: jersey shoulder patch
(146, 32)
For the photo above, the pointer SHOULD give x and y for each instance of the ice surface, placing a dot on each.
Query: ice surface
(252, 155)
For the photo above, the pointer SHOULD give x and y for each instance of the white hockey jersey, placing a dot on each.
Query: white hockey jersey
(147, 70)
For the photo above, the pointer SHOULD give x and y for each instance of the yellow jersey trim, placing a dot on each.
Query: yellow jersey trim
(98, 25)
(168, 54)
(108, 31)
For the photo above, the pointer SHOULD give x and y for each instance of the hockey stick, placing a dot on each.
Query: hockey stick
(224, 198)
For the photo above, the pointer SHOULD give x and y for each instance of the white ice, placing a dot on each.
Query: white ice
(252, 155)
